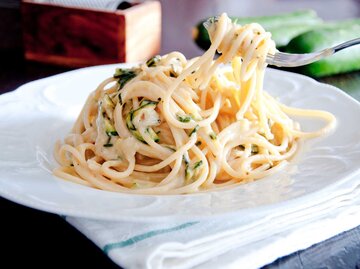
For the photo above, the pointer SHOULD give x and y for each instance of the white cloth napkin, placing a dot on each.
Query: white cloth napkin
(247, 241)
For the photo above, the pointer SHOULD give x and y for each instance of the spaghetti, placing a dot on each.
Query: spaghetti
(172, 126)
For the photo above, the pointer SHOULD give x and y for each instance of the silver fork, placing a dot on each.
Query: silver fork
(282, 59)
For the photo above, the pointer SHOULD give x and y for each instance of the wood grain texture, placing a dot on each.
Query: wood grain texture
(143, 31)
(339, 252)
(77, 37)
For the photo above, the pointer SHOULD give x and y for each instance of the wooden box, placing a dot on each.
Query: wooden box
(77, 37)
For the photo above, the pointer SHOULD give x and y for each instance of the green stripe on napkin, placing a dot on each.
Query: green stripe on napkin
(144, 236)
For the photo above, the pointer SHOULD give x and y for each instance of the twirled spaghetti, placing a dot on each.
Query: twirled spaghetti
(172, 126)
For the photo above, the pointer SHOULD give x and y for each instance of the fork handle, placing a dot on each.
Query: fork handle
(346, 44)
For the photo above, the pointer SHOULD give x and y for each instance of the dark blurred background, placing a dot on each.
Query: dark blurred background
(179, 18)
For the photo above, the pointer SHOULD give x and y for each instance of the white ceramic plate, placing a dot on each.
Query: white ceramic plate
(33, 117)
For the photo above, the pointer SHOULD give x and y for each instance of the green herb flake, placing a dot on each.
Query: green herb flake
(124, 76)
(213, 136)
(107, 145)
(186, 160)
(146, 102)
(183, 118)
(194, 130)
(120, 99)
(108, 101)
(112, 133)
(198, 164)
(254, 149)
(192, 172)
(153, 61)
(109, 128)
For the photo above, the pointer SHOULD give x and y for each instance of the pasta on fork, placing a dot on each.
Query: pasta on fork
(177, 126)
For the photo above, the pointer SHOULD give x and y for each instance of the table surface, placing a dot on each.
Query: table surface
(29, 235)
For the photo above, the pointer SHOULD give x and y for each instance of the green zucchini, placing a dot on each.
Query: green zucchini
(283, 27)
(134, 113)
(109, 128)
(152, 134)
(185, 118)
(192, 172)
(325, 37)
(153, 61)
(108, 101)
(194, 131)
(213, 136)
(125, 75)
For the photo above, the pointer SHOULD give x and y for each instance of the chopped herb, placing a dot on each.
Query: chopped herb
(113, 133)
(146, 102)
(107, 145)
(138, 136)
(213, 136)
(194, 130)
(120, 99)
(254, 149)
(186, 159)
(152, 134)
(153, 61)
(108, 101)
(109, 128)
(109, 139)
(129, 118)
(198, 164)
(191, 172)
(124, 75)
(183, 118)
